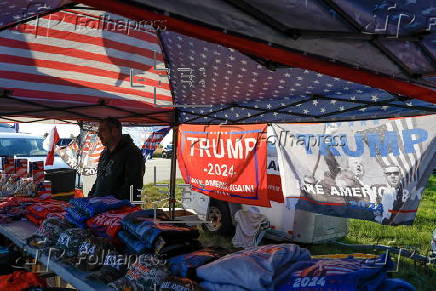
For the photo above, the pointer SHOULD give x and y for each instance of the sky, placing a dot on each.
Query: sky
(38, 129)
(66, 130)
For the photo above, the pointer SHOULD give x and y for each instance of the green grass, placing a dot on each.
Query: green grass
(416, 236)
(152, 193)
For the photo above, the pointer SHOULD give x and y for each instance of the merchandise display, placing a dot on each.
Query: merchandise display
(342, 274)
(126, 248)
(108, 224)
(252, 268)
(185, 265)
(21, 280)
(16, 180)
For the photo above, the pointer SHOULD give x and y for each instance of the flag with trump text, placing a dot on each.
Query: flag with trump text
(226, 162)
(373, 170)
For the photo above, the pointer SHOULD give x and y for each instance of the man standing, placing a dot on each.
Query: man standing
(121, 163)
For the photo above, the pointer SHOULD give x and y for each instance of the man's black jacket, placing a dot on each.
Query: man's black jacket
(118, 170)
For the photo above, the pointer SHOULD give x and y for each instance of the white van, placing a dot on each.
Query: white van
(288, 223)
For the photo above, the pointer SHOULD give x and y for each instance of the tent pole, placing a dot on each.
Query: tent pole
(172, 198)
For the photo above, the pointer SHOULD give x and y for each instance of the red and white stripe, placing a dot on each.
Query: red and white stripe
(71, 55)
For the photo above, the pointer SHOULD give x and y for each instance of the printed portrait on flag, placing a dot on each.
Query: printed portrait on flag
(226, 162)
(374, 170)
(83, 153)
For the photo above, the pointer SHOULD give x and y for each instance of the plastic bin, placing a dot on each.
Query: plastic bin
(62, 180)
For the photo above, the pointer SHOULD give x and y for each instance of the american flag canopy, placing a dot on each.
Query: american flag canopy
(226, 86)
(81, 63)
(89, 63)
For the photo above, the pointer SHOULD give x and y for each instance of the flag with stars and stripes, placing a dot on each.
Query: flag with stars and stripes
(213, 84)
(373, 170)
(75, 60)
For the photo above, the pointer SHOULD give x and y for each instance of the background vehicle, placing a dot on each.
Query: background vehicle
(167, 151)
(4, 127)
(64, 142)
(288, 223)
(27, 146)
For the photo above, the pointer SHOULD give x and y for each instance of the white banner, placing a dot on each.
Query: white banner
(373, 170)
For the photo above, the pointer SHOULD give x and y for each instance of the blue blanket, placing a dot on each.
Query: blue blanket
(252, 269)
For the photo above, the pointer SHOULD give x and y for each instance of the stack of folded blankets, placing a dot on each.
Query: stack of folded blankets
(143, 234)
(82, 209)
(256, 268)
(185, 266)
(108, 224)
(349, 274)
(14, 208)
(48, 233)
(39, 211)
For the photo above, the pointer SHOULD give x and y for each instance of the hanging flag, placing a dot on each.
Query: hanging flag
(226, 162)
(373, 170)
(83, 154)
(52, 140)
(153, 140)
(85, 56)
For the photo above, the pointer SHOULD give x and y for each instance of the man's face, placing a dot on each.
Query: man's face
(357, 168)
(105, 134)
(393, 176)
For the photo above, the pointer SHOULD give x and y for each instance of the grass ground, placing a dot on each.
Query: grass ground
(412, 237)
(416, 236)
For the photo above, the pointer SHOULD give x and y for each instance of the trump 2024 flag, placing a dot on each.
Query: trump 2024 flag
(226, 162)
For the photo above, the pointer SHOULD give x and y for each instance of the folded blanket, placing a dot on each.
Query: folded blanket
(96, 205)
(132, 244)
(160, 247)
(91, 253)
(178, 284)
(48, 233)
(146, 230)
(44, 208)
(114, 267)
(73, 221)
(185, 265)
(338, 274)
(68, 243)
(141, 276)
(77, 215)
(108, 224)
(33, 219)
(253, 268)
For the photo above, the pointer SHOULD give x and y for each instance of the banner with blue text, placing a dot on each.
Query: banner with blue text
(373, 170)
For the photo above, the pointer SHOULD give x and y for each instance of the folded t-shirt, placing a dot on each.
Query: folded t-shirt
(96, 205)
(148, 230)
(337, 274)
(185, 265)
(108, 224)
(42, 209)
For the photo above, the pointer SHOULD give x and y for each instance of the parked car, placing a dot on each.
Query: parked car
(4, 127)
(167, 151)
(27, 146)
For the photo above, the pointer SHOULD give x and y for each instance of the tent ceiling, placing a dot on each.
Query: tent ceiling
(63, 66)
(287, 65)
(235, 88)
(341, 38)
